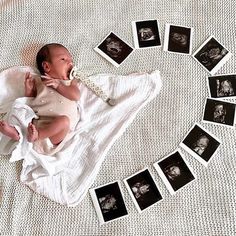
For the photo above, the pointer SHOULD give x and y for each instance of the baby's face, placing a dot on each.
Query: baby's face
(61, 63)
(143, 189)
(109, 202)
(173, 172)
(214, 52)
(114, 47)
(226, 87)
(219, 111)
(146, 34)
(179, 38)
(203, 142)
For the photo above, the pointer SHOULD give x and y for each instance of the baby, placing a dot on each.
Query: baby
(173, 172)
(140, 189)
(224, 88)
(219, 114)
(201, 144)
(54, 97)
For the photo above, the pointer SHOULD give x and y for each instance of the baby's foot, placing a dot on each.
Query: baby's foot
(9, 131)
(32, 133)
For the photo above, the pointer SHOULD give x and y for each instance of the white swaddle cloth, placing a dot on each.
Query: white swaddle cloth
(66, 176)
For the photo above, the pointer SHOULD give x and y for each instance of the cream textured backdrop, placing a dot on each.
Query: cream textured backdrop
(204, 207)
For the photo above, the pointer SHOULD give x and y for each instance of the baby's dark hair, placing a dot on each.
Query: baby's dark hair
(44, 55)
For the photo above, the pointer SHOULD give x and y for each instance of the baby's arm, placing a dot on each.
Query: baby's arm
(71, 92)
(30, 88)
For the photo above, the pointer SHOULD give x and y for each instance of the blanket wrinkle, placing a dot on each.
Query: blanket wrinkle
(65, 173)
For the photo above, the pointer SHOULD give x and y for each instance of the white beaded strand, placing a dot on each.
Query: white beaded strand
(75, 73)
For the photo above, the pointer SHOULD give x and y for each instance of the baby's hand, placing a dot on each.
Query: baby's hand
(29, 81)
(50, 82)
(29, 85)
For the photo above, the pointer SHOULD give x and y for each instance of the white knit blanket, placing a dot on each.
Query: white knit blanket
(66, 175)
(207, 206)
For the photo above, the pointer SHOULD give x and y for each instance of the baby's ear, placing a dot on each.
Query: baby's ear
(46, 66)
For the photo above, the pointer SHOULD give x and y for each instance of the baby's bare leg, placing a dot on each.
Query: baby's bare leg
(55, 131)
(9, 131)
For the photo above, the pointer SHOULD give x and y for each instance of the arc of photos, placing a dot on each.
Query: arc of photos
(98, 91)
(79, 75)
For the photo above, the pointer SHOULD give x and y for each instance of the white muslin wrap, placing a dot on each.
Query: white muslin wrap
(66, 176)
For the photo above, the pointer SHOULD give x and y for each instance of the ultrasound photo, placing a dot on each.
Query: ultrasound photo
(114, 49)
(219, 112)
(174, 171)
(108, 202)
(201, 144)
(143, 190)
(222, 86)
(146, 34)
(178, 39)
(212, 55)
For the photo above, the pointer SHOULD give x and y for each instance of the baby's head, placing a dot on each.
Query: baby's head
(202, 142)
(179, 38)
(226, 87)
(55, 60)
(146, 34)
(219, 113)
(173, 172)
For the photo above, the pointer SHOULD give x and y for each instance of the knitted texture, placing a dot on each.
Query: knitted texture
(204, 207)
